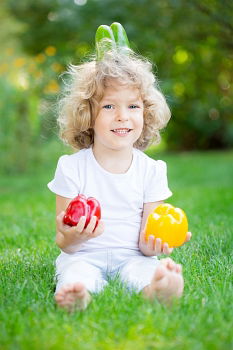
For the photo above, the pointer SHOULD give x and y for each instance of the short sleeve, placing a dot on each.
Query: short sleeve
(156, 188)
(66, 181)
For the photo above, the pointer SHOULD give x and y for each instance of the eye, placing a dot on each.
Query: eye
(108, 106)
(133, 106)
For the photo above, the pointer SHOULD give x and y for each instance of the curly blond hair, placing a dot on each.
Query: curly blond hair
(79, 105)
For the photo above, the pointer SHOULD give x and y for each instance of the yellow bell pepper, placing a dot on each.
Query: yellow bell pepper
(168, 223)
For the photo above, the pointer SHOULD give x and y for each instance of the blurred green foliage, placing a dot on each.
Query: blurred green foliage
(190, 43)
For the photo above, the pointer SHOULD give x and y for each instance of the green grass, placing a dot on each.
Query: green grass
(202, 185)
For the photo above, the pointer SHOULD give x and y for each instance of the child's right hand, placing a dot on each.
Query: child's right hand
(75, 235)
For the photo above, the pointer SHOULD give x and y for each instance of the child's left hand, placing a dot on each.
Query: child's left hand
(155, 247)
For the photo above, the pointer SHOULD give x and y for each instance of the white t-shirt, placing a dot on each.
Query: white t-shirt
(121, 196)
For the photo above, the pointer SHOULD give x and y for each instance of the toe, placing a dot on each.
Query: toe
(162, 284)
(159, 273)
(58, 297)
(67, 288)
(166, 262)
(172, 265)
(178, 268)
(160, 279)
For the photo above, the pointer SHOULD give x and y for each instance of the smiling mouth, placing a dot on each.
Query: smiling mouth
(121, 131)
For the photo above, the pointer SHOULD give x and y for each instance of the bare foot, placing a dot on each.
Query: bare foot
(73, 297)
(167, 282)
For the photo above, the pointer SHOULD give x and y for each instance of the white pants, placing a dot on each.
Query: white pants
(94, 268)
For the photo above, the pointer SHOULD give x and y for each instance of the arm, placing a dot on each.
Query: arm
(153, 246)
(69, 239)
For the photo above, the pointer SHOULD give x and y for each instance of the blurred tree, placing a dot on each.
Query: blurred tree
(190, 42)
(10, 27)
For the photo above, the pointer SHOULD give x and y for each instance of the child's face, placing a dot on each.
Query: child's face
(119, 120)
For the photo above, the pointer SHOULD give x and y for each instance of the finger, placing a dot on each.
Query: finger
(80, 225)
(158, 246)
(151, 242)
(170, 250)
(188, 237)
(77, 228)
(99, 229)
(166, 249)
(59, 220)
(91, 226)
(60, 216)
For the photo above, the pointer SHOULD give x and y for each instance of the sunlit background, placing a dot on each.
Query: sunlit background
(189, 42)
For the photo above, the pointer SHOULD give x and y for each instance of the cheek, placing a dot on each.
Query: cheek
(100, 124)
(97, 121)
(140, 121)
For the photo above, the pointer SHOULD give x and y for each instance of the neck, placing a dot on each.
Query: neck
(114, 161)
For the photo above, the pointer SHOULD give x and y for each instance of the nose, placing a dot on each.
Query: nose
(122, 115)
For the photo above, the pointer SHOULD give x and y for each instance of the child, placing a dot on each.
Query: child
(112, 110)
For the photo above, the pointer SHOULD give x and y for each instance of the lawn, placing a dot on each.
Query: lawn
(202, 184)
